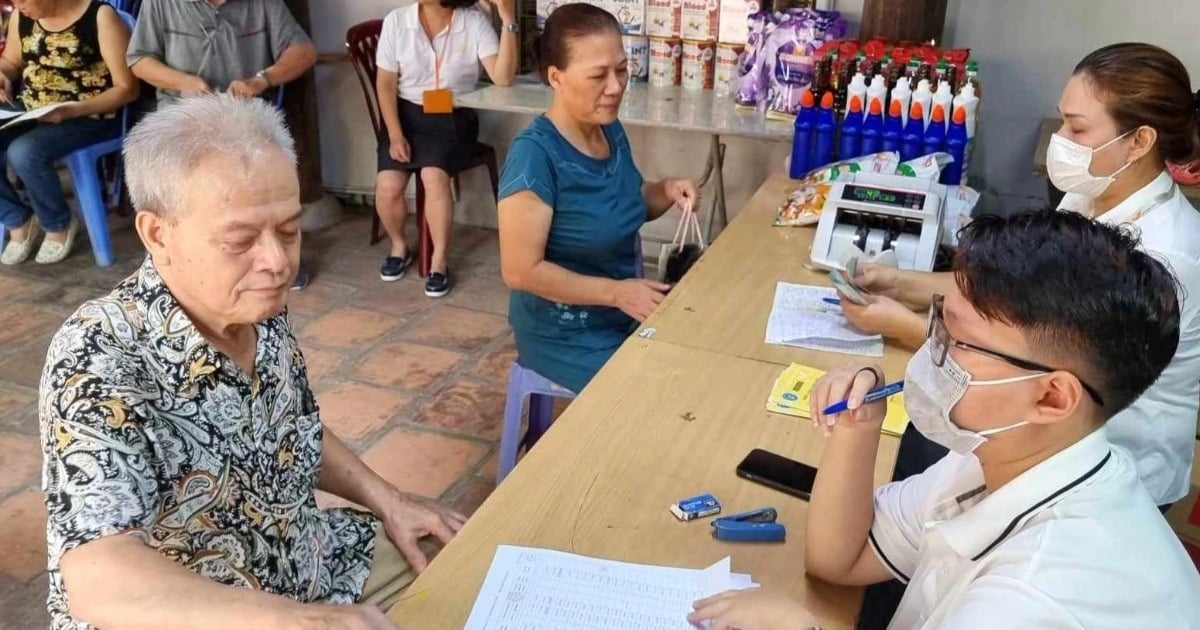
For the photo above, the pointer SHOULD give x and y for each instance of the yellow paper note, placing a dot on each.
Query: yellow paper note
(790, 396)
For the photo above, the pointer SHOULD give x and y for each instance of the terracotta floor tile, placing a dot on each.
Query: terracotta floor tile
(23, 530)
(23, 603)
(20, 323)
(19, 369)
(484, 292)
(14, 287)
(495, 365)
(349, 328)
(407, 366)
(422, 463)
(321, 363)
(457, 328)
(488, 470)
(471, 496)
(404, 297)
(354, 411)
(468, 407)
(319, 296)
(12, 399)
(20, 461)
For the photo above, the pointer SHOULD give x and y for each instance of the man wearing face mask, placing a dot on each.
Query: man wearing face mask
(1128, 110)
(1034, 519)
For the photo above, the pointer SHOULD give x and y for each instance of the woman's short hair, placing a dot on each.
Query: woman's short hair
(565, 24)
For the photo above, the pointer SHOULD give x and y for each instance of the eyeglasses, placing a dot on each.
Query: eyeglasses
(940, 343)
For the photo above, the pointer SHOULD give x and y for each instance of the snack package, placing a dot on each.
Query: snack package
(803, 205)
(925, 167)
(960, 202)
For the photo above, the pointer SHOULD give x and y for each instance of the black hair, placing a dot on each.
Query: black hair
(457, 4)
(1083, 293)
(566, 23)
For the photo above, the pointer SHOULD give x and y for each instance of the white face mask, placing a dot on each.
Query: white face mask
(1069, 166)
(931, 392)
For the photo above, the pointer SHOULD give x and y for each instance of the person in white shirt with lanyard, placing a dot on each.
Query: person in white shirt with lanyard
(429, 51)
(1034, 519)
(1128, 110)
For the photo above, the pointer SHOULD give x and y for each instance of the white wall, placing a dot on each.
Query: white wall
(1026, 50)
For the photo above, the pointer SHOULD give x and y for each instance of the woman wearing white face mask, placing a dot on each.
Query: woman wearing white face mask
(1128, 110)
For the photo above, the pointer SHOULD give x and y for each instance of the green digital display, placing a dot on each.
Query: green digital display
(895, 198)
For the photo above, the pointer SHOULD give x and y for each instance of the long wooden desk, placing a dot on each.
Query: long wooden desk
(667, 417)
(723, 302)
(659, 423)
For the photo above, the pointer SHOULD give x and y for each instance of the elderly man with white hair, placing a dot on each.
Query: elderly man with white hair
(182, 443)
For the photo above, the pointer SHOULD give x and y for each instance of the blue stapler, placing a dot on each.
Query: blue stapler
(753, 526)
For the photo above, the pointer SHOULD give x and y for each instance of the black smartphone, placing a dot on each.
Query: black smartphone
(778, 472)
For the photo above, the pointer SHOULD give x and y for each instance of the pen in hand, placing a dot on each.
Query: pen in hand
(872, 396)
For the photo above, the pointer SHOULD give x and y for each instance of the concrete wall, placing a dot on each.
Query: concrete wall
(1026, 49)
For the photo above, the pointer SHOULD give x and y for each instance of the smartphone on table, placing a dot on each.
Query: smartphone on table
(778, 472)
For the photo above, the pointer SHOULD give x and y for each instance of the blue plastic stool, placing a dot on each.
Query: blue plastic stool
(524, 383)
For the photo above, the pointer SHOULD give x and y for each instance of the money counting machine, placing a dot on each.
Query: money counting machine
(871, 214)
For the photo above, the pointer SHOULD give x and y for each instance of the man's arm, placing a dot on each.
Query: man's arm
(842, 510)
(118, 582)
(344, 474)
(295, 61)
(147, 49)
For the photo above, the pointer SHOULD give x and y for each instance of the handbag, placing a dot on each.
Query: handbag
(676, 259)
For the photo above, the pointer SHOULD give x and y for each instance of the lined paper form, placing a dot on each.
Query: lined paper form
(800, 317)
(543, 589)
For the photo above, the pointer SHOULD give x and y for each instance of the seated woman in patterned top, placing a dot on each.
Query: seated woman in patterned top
(69, 53)
(182, 442)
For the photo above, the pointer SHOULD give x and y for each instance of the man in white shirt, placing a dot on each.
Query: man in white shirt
(1034, 520)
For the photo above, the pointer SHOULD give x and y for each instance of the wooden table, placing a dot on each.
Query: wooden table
(723, 302)
(660, 422)
(667, 417)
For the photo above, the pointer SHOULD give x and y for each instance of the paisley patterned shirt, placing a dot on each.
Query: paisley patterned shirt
(147, 430)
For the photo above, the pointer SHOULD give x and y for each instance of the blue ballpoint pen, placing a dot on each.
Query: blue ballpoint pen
(872, 396)
(833, 301)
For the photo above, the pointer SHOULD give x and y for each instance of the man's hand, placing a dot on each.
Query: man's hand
(194, 86)
(249, 88)
(884, 316)
(851, 384)
(65, 111)
(682, 193)
(638, 298)
(752, 609)
(407, 519)
(399, 150)
(877, 279)
(339, 617)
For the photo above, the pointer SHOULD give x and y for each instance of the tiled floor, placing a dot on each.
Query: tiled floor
(415, 385)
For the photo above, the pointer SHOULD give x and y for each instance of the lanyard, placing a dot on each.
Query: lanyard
(439, 57)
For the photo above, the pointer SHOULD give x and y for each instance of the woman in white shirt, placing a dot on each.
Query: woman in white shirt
(1128, 110)
(429, 51)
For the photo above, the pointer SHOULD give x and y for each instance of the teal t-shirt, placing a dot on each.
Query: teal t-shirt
(598, 210)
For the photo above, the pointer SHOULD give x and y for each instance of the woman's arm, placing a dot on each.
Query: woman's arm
(385, 86)
(661, 195)
(502, 66)
(10, 61)
(524, 228)
(114, 39)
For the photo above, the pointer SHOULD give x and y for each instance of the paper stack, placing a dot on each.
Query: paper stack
(802, 317)
(542, 589)
(790, 397)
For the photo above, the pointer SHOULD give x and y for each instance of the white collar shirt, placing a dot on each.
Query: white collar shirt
(1159, 428)
(1074, 542)
(406, 50)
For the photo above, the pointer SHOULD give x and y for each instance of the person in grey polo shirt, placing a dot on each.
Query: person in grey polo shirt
(245, 47)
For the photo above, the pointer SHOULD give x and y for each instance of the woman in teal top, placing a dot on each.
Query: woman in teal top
(571, 204)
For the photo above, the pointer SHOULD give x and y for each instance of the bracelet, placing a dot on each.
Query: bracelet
(878, 380)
